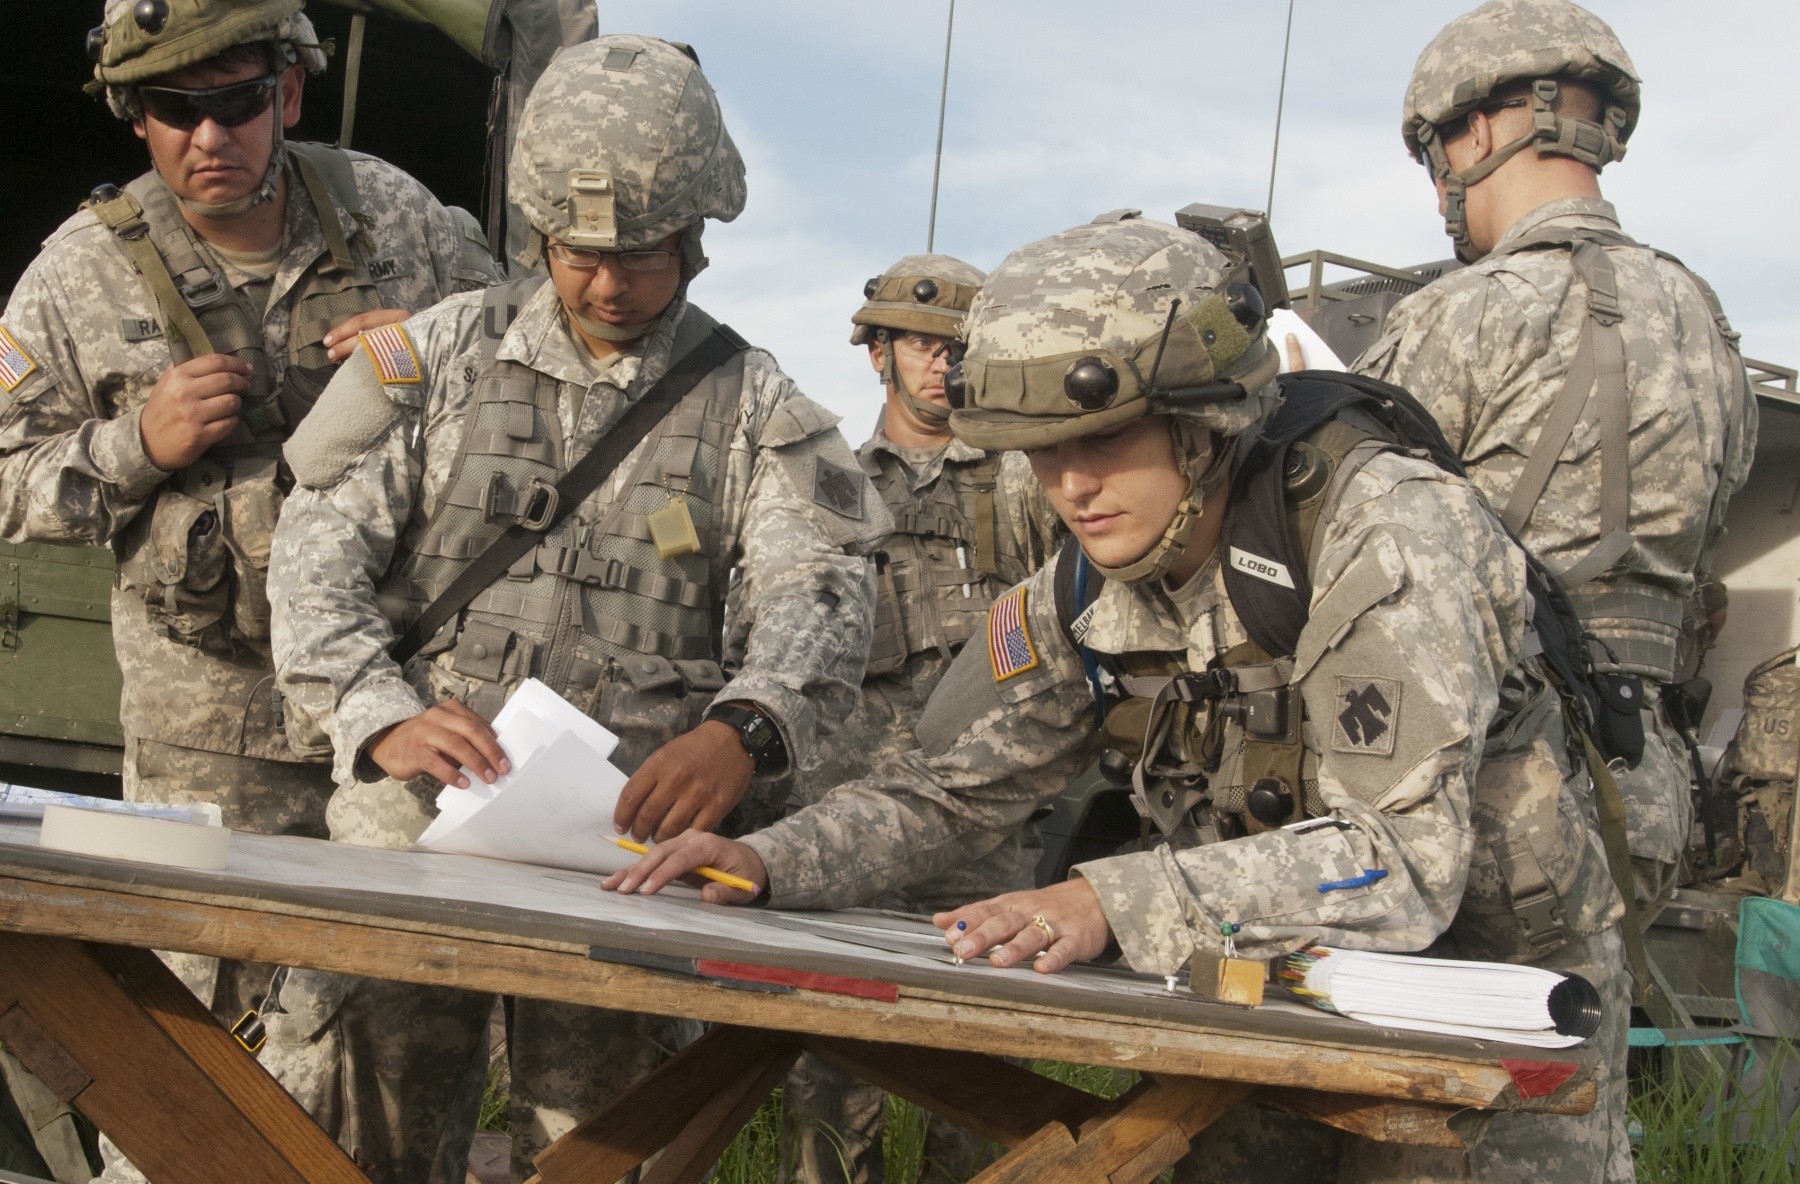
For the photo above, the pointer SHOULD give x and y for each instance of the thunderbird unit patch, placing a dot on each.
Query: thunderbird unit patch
(1009, 637)
(1368, 713)
(838, 488)
(15, 364)
(392, 352)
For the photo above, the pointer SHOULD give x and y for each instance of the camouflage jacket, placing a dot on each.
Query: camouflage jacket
(1486, 348)
(72, 461)
(796, 633)
(1416, 593)
(881, 726)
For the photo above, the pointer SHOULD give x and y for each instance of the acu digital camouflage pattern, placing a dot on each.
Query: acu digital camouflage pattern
(796, 637)
(1505, 40)
(193, 31)
(1105, 290)
(831, 1122)
(72, 461)
(1485, 348)
(1416, 585)
(639, 110)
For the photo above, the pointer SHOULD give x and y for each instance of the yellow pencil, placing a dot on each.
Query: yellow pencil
(711, 873)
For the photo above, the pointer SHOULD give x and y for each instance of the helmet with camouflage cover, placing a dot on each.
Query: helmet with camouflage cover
(1089, 330)
(139, 40)
(622, 144)
(919, 294)
(1544, 42)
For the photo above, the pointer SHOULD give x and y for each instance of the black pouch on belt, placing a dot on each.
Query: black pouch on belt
(1619, 723)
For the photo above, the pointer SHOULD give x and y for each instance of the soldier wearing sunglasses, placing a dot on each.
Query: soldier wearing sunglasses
(157, 354)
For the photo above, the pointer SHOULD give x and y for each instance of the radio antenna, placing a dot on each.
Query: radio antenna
(937, 163)
(1280, 101)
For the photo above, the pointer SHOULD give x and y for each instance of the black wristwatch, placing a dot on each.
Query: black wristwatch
(756, 732)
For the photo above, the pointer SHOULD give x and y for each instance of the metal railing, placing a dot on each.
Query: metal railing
(1317, 294)
(1770, 381)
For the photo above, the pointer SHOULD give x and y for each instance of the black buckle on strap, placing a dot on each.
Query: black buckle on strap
(1205, 687)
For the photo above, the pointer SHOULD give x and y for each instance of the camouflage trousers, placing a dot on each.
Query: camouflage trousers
(832, 1127)
(1250, 1143)
(404, 1063)
(262, 797)
(1659, 808)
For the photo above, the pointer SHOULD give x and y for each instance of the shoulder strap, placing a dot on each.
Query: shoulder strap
(719, 346)
(122, 214)
(984, 479)
(1077, 585)
(1597, 373)
(326, 173)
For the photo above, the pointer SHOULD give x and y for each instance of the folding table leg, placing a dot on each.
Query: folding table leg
(692, 1105)
(1141, 1135)
(110, 1030)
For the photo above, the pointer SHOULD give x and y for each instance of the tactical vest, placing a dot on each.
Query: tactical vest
(1170, 733)
(594, 611)
(1636, 628)
(199, 554)
(947, 560)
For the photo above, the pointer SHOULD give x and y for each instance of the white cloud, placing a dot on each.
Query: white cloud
(1060, 109)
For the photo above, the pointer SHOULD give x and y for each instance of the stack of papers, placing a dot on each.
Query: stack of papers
(1484, 1000)
(556, 806)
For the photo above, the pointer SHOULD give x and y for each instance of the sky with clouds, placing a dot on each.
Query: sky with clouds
(1060, 109)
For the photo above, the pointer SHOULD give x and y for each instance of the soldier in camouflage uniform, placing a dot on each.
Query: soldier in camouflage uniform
(156, 354)
(968, 525)
(457, 426)
(1123, 360)
(1591, 384)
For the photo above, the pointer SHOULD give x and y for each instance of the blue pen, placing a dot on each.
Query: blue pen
(1369, 876)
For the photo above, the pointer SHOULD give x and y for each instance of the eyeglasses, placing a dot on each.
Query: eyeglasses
(587, 258)
(923, 344)
(227, 106)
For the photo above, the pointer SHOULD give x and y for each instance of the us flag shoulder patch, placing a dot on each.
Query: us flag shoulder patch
(15, 364)
(392, 352)
(1009, 638)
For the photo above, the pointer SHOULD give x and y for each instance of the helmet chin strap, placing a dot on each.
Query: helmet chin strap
(1206, 470)
(614, 333)
(265, 192)
(933, 416)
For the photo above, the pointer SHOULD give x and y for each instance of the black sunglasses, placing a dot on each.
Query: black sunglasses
(227, 106)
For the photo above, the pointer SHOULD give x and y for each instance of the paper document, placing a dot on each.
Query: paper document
(556, 806)
(1313, 350)
(1484, 1000)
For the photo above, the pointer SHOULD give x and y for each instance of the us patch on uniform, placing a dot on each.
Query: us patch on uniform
(392, 352)
(15, 364)
(1009, 637)
(1368, 712)
(837, 488)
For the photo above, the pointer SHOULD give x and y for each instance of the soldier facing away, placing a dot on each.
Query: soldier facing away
(1591, 384)
(157, 353)
(1137, 377)
(968, 525)
(438, 436)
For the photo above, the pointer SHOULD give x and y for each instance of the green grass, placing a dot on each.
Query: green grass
(1683, 1131)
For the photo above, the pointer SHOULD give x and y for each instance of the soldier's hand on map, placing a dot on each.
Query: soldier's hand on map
(676, 859)
(1296, 356)
(1051, 926)
(193, 406)
(442, 740)
(342, 338)
(692, 781)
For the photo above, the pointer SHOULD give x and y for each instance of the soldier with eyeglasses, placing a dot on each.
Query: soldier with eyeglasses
(155, 356)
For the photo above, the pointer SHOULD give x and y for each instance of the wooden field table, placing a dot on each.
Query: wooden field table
(109, 1029)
